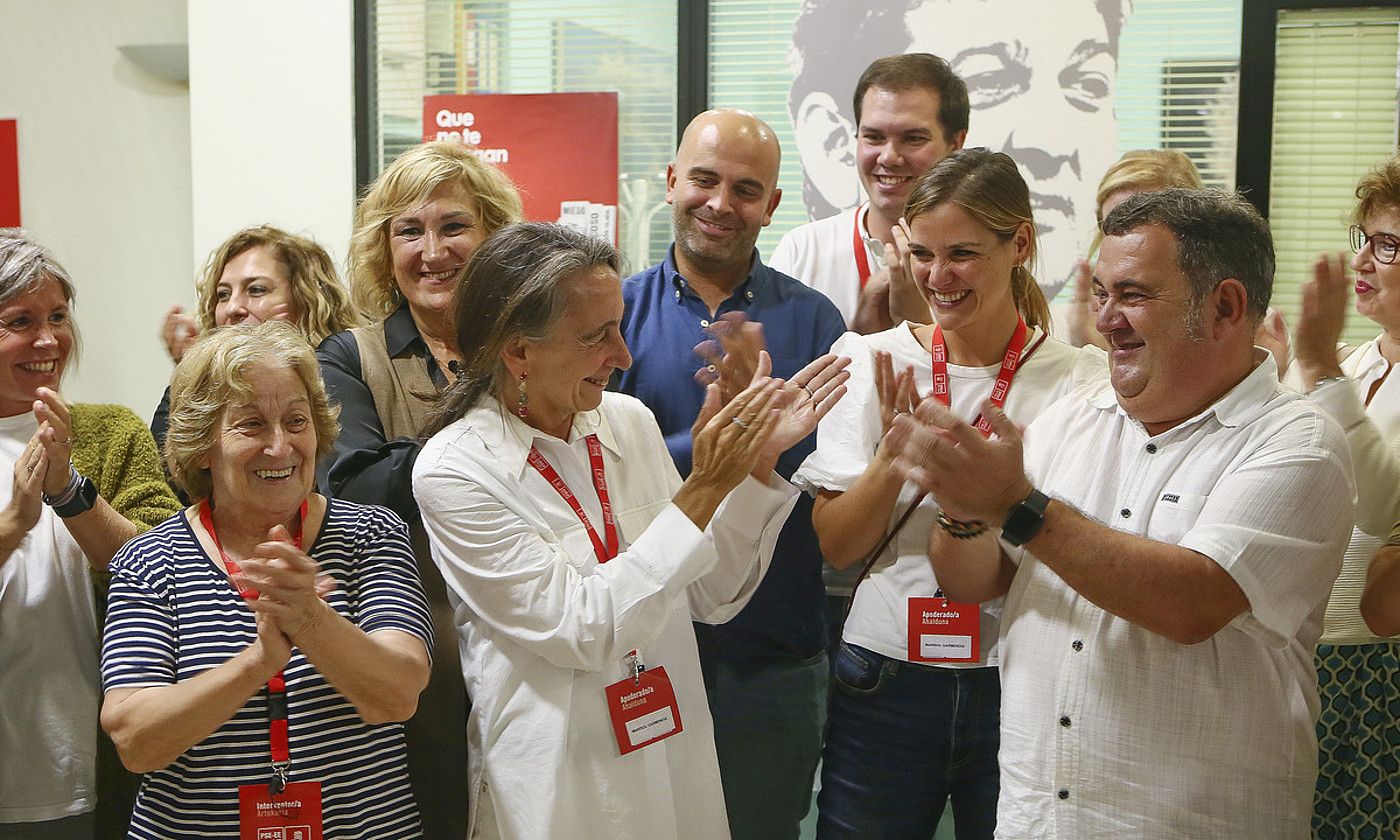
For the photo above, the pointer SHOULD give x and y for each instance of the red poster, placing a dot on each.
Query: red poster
(560, 149)
(9, 174)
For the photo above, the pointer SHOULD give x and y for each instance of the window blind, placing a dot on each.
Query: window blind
(1178, 72)
(749, 42)
(427, 47)
(1334, 119)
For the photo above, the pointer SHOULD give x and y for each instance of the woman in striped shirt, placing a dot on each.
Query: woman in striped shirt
(262, 645)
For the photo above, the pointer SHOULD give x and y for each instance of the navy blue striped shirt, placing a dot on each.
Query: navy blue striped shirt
(172, 614)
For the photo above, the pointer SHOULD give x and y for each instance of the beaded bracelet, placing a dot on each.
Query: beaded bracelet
(960, 530)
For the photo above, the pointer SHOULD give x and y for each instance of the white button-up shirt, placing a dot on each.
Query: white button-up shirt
(1373, 431)
(1109, 730)
(544, 628)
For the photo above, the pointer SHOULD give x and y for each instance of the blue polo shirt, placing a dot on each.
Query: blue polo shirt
(662, 322)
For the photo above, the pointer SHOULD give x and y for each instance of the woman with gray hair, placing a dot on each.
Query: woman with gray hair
(85, 480)
(262, 646)
(577, 558)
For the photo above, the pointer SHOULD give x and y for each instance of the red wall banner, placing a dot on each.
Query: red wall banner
(9, 173)
(560, 149)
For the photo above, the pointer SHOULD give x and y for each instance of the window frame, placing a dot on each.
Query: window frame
(1258, 54)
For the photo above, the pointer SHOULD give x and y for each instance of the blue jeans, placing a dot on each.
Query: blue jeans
(901, 741)
(768, 718)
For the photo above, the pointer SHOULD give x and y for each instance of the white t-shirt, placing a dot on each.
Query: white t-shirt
(544, 628)
(48, 662)
(1109, 730)
(846, 442)
(822, 255)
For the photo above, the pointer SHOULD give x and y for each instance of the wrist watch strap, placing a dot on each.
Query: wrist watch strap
(1025, 519)
(82, 501)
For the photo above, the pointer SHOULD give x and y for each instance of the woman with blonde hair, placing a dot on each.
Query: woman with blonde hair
(416, 229)
(1137, 171)
(260, 274)
(913, 717)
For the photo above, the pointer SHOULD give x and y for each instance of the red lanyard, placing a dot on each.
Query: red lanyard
(277, 685)
(862, 251)
(938, 349)
(605, 548)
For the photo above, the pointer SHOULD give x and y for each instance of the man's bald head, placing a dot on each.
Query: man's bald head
(739, 134)
(723, 189)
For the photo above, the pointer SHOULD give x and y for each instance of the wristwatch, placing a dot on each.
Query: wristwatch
(78, 497)
(1025, 519)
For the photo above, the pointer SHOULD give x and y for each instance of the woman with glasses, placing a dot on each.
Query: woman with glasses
(1358, 786)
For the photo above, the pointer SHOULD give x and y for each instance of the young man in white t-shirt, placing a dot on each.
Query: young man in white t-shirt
(911, 111)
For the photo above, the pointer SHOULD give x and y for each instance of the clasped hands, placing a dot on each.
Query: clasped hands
(291, 593)
(973, 478)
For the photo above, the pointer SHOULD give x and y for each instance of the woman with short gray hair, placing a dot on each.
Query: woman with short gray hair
(85, 480)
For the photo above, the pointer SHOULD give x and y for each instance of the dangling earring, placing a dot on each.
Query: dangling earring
(522, 401)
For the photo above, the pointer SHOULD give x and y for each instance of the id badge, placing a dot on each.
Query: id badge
(293, 814)
(943, 631)
(643, 710)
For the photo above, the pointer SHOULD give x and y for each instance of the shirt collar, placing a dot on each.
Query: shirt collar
(511, 438)
(1370, 364)
(746, 291)
(1240, 404)
(400, 333)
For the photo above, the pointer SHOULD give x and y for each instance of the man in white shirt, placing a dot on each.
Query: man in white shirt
(911, 111)
(1166, 583)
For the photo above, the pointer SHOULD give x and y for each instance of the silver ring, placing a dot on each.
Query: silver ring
(740, 423)
(810, 395)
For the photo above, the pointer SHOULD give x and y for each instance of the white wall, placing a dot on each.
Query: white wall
(272, 119)
(104, 176)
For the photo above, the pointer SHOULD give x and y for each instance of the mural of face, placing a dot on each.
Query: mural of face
(1041, 90)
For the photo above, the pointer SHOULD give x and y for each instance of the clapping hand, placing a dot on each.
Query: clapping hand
(291, 588)
(178, 331)
(1321, 318)
(972, 477)
(895, 390)
(731, 353)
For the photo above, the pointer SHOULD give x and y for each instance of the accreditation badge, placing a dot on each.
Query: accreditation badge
(643, 710)
(943, 631)
(293, 814)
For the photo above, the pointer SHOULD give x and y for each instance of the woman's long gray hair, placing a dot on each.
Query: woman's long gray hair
(516, 286)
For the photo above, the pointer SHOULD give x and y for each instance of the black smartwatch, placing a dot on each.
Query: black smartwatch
(1026, 519)
(80, 500)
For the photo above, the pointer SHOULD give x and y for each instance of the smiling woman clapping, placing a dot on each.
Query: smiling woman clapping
(266, 636)
(577, 558)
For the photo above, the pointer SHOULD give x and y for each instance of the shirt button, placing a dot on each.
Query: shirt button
(748, 295)
(1125, 513)
(1064, 721)
(1063, 794)
(1151, 449)
(704, 323)
(1077, 645)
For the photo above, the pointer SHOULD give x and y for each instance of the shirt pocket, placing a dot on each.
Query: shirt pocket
(1174, 515)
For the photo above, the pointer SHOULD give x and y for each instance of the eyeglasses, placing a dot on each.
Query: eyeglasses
(1384, 247)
